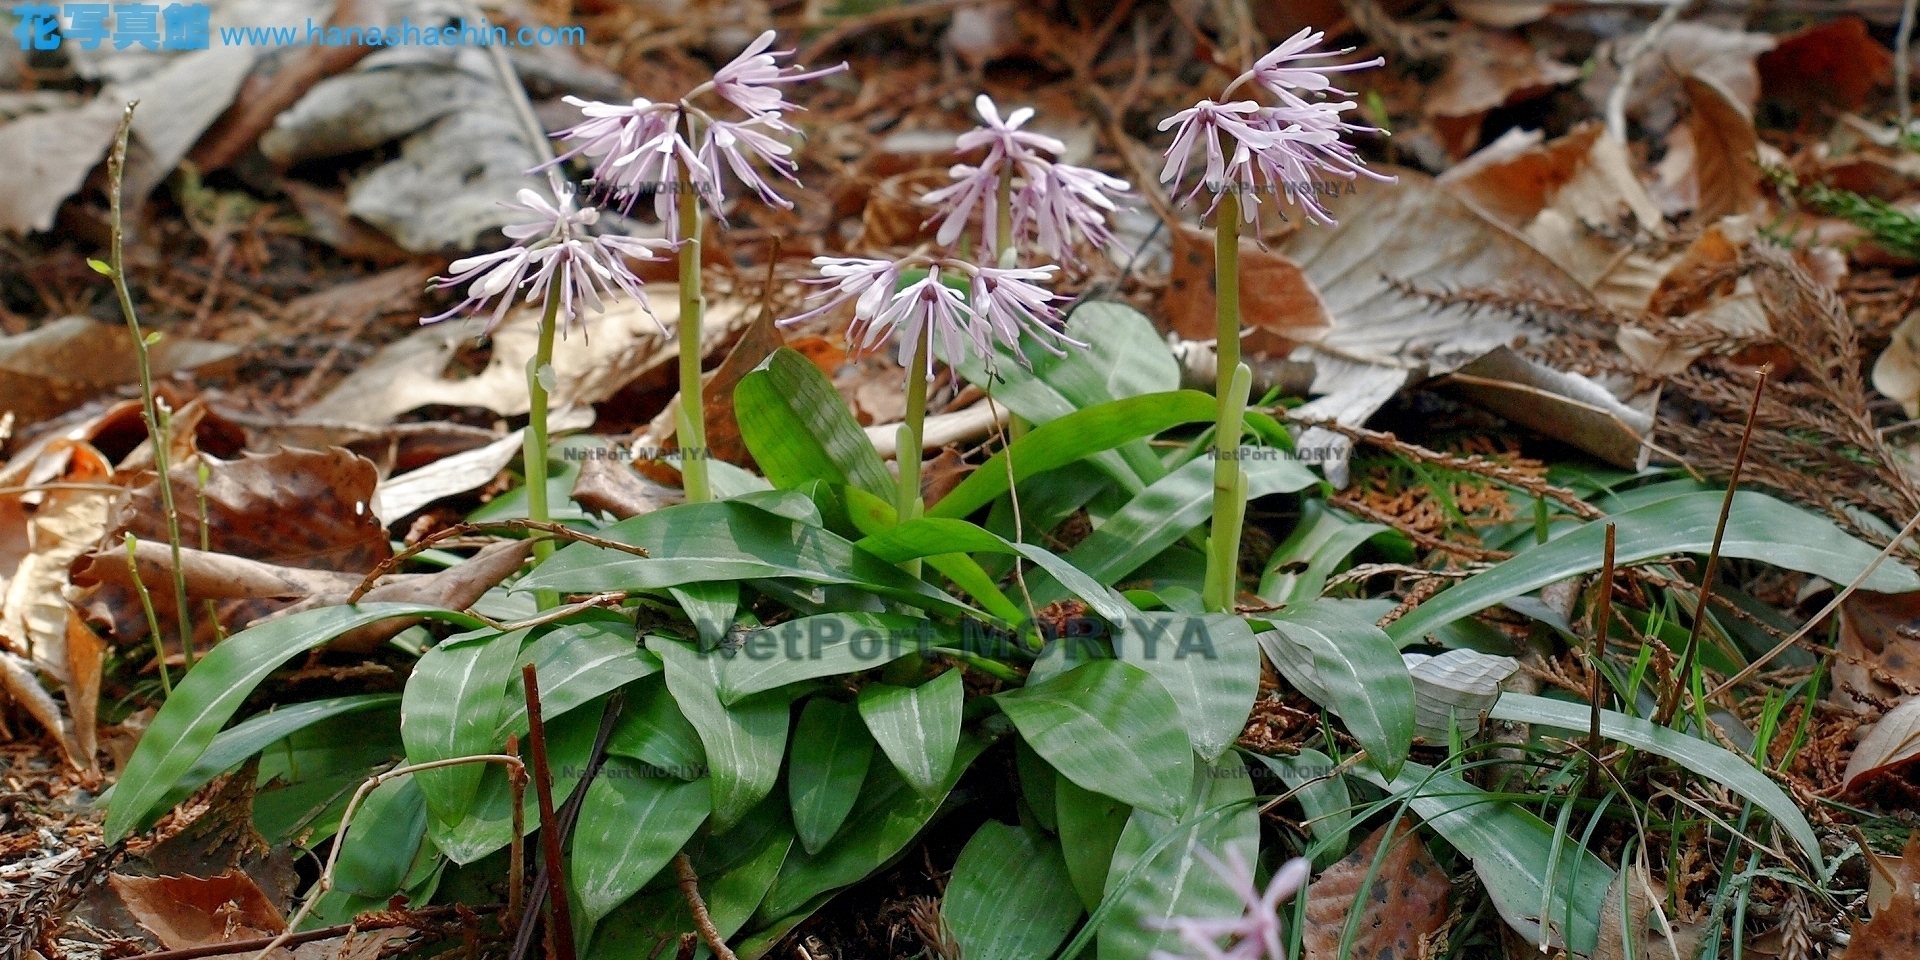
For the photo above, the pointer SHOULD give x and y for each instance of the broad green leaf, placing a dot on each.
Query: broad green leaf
(1072, 437)
(1711, 760)
(1163, 513)
(382, 839)
(918, 728)
(1211, 665)
(1758, 528)
(1511, 850)
(575, 663)
(1320, 647)
(262, 730)
(1175, 883)
(1090, 826)
(798, 428)
(1111, 728)
(886, 818)
(733, 881)
(1320, 540)
(730, 540)
(223, 679)
(1323, 797)
(872, 515)
(824, 645)
(1009, 897)
(744, 742)
(1037, 780)
(450, 709)
(831, 752)
(488, 824)
(933, 536)
(653, 731)
(632, 823)
(711, 606)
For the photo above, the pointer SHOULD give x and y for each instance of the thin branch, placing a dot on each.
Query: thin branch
(1630, 65)
(702, 921)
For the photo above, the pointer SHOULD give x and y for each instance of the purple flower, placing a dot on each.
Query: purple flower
(870, 282)
(752, 81)
(611, 131)
(552, 254)
(1255, 934)
(1006, 303)
(1219, 127)
(1285, 148)
(1063, 203)
(726, 140)
(1000, 305)
(1054, 204)
(1003, 138)
(1278, 70)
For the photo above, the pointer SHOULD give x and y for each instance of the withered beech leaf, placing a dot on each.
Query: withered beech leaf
(1892, 932)
(1726, 168)
(1277, 299)
(305, 509)
(1828, 66)
(1406, 904)
(187, 912)
(1891, 744)
(1879, 634)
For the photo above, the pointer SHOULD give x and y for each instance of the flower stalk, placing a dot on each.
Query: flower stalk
(1231, 385)
(534, 453)
(692, 422)
(909, 440)
(157, 433)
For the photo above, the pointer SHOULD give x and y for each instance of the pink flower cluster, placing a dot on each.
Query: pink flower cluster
(1255, 934)
(1056, 205)
(672, 147)
(999, 304)
(1282, 148)
(554, 244)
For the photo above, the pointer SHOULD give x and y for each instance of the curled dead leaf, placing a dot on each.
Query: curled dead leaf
(1892, 932)
(1404, 908)
(1489, 69)
(1277, 300)
(1890, 745)
(186, 912)
(1896, 374)
(1879, 647)
(60, 365)
(1829, 65)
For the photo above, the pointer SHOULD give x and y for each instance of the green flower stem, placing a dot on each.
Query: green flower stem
(1232, 383)
(692, 426)
(535, 451)
(908, 443)
(153, 619)
(1003, 242)
(157, 434)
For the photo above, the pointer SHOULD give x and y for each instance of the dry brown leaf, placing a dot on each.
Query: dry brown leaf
(1879, 634)
(400, 496)
(1726, 171)
(612, 486)
(1897, 373)
(45, 157)
(295, 508)
(1277, 300)
(941, 474)
(1489, 69)
(1405, 906)
(86, 652)
(1829, 66)
(65, 524)
(1695, 290)
(187, 912)
(1686, 49)
(1642, 895)
(1513, 178)
(1890, 745)
(1892, 933)
(1497, 13)
(612, 351)
(18, 682)
(58, 366)
(455, 588)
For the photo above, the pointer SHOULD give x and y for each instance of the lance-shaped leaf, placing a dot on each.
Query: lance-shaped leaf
(744, 742)
(918, 728)
(1350, 667)
(1111, 728)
